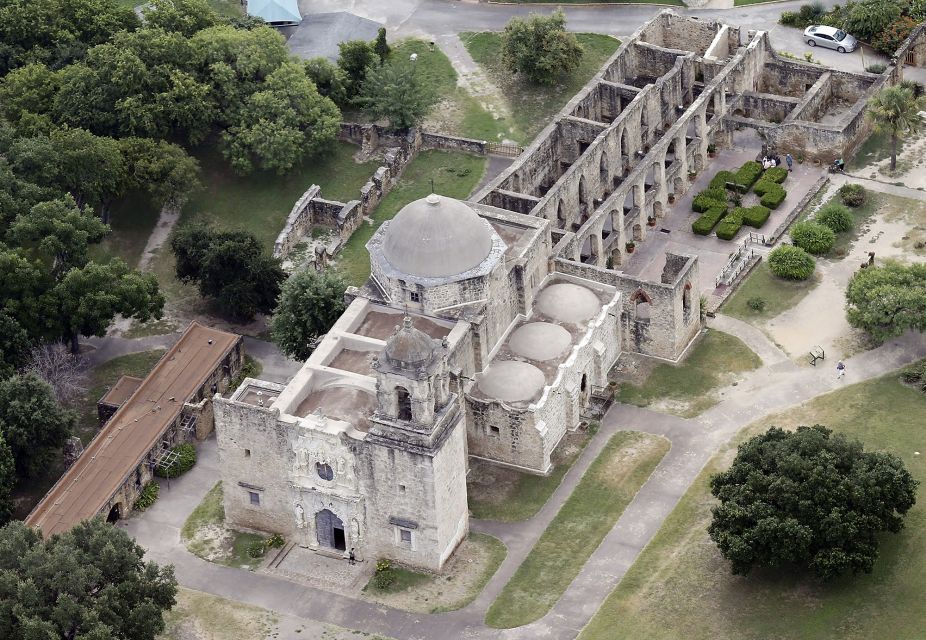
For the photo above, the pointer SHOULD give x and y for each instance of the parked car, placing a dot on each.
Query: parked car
(830, 37)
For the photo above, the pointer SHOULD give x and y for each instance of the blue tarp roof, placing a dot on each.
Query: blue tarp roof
(275, 10)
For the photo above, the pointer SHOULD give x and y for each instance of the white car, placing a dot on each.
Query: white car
(830, 37)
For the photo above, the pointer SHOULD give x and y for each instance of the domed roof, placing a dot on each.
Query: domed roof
(436, 237)
(408, 347)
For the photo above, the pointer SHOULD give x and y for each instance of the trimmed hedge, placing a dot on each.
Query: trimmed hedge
(773, 194)
(835, 216)
(720, 180)
(775, 174)
(747, 175)
(729, 227)
(185, 462)
(790, 262)
(708, 220)
(753, 216)
(813, 237)
(708, 199)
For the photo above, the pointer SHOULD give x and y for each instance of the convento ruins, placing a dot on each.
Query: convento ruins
(487, 326)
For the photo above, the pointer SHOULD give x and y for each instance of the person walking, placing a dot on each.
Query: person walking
(840, 369)
(351, 558)
(789, 161)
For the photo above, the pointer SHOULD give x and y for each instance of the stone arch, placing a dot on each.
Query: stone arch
(607, 227)
(403, 403)
(329, 530)
(625, 149)
(642, 305)
(617, 257)
(678, 186)
(637, 232)
(115, 513)
(604, 170)
(561, 215)
(583, 197)
(657, 209)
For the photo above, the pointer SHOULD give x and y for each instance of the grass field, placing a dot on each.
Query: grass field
(454, 175)
(713, 363)
(581, 524)
(205, 535)
(680, 587)
(779, 294)
(533, 106)
(743, 3)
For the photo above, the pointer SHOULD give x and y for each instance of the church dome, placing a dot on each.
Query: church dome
(436, 237)
(408, 347)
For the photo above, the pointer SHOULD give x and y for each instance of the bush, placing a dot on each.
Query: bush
(257, 549)
(888, 40)
(148, 496)
(720, 180)
(852, 195)
(915, 373)
(705, 224)
(754, 216)
(773, 194)
(276, 541)
(186, 459)
(729, 227)
(775, 174)
(756, 303)
(747, 175)
(876, 68)
(790, 19)
(791, 263)
(813, 237)
(708, 199)
(835, 216)
(384, 576)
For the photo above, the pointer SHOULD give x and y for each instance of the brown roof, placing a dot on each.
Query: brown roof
(121, 391)
(134, 429)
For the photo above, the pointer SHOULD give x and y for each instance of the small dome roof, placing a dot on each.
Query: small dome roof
(436, 237)
(408, 347)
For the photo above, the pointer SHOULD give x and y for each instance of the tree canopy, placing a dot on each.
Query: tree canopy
(396, 91)
(808, 498)
(889, 300)
(540, 47)
(895, 111)
(91, 582)
(310, 303)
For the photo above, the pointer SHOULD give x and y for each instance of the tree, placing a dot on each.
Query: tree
(65, 373)
(25, 294)
(328, 79)
(28, 89)
(60, 231)
(867, 18)
(540, 47)
(281, 124)
(889, 300)
(15, 345)
(809, 498)
(396, 91)
(90, 297)
(32, 423)
(356, 56)
(7, 482)
(89, 583)
(182, 16)
(310, 303)
(230, 267)
(164, 170)
(380, 46)
(791, 262)
(895, 111)
(890, 39)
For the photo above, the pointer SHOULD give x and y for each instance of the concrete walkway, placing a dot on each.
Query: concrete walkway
(694, 442)
(753, 337)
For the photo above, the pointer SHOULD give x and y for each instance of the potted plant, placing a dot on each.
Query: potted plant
(692, 175)
(712, 150)
(651, 221)
(630, 246)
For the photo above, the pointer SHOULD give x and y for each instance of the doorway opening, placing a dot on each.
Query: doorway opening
(330, 530)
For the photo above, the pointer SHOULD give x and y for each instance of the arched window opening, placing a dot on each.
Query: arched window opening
(403, 404)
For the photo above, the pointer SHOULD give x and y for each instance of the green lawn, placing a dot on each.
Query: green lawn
(132, 220)
(206, 522)
(532, 106)
(711, 364)
(454, 175)
(581, 524)
(680, 587)
(527, 492)
(743, 3)
(779, 294)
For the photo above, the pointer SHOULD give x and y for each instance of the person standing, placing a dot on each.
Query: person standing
(351, 557)
(789, 161)
(840, 369)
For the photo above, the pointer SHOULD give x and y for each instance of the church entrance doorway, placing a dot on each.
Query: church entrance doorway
(330, 530)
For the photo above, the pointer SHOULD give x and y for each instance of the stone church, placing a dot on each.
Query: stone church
(466, 341)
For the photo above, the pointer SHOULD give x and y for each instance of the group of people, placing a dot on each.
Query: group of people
(769, 161)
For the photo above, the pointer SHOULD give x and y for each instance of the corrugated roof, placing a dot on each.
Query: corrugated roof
(134, 429)
(275, 10)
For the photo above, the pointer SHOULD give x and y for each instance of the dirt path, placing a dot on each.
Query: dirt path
(159, 235)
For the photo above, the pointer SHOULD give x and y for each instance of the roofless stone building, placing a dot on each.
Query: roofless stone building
(486, 326)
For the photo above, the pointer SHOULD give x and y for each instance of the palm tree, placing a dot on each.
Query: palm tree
(895, 111)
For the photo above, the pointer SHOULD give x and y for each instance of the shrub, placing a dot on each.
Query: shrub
(835, 216)
(384, 576)
(790, 19)
(852, 195)
(729, 226)
(705, 224)
(276, 541)
(888, 40)
(186, 453)
(773, 194)
(148, 496)
(775, 174)
(747, 175)
(708, 199)
(257, 549)
(756, 303)
(876, 68)
(754, 216)
(720, 180)
(813, 237)
(792, 263)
